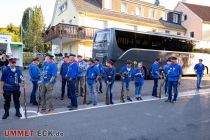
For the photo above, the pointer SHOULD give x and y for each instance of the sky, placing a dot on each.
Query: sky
(11, 11)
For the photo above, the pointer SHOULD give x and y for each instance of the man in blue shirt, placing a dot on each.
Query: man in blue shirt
(101, 70)
(174, 77)
(10, 80)
(166, 68)
(49, 75)
(139, 80)
(199, 69)
(126, 73)
(155, 72)
(72, 76)
(63, 73)
(92, 78)
(34, 73)
(82, 68)
(109, 75)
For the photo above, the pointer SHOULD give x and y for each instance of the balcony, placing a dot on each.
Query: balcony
(72, 32)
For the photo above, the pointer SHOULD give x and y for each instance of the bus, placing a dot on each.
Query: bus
(121, 45)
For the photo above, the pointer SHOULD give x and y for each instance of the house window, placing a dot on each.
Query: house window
(184, 17)
(154, 30)
(124, 7)
(164, 15)
(63, 7)
(178, 33)
(192, 34)
(152, 13)
(108, 4)
(175, 18)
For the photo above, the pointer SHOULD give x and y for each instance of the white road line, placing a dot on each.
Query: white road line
(22, 112)
(103, 106)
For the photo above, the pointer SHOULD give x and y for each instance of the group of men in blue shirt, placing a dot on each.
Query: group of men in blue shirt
(73, 73)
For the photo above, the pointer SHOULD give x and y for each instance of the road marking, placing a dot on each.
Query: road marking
(23, 113)
(118, 104)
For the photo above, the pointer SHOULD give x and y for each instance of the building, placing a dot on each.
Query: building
(12, 49)
(196, 19)
(74, 22)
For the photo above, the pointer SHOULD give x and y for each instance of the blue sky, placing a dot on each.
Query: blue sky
(11, 11)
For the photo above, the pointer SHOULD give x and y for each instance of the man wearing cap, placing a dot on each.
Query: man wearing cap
(101, 70)
(174, 77)
(10, 80)
(34, 73)
(126, 73)
(155, 71)
(63, 73)
(92, 77)
(48, 80)
(71, 76)
(109, 75)
(199, 69)
(166, 68)
(82, 68)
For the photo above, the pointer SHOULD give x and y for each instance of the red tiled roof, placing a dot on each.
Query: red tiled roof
(202, 11)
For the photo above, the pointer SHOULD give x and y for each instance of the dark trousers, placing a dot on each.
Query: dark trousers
(154, 91)
(7, 99)
(173, 84)
(100, 84)
(33, 93)
(63, 87)
(73, 92)
(80, 84)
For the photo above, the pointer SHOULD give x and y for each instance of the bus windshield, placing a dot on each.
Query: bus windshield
(102, 37)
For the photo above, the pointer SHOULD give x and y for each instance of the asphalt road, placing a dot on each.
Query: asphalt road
(187, 119)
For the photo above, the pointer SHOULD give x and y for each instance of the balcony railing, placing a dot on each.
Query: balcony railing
(69, 31)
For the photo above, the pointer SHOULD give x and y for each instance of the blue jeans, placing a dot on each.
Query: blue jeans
(154, 91)
(33, 93)
(138, 89)
(173, 84)
(126, 84)
(72, 92)
(92, 92)
(63, 87)
(166, 86)
(199, 78)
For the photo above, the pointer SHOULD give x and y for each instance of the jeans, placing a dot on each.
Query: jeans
(7, 99)
(72, 92)
(33, 93)
(154, 91)
(166, 86)
(138, 89)
(173, 84)
(199, 78)
(92, 92)
(80, 84)
(63, 87)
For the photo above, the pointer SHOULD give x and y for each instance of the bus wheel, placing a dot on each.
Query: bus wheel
(206, 70)
(146, 76)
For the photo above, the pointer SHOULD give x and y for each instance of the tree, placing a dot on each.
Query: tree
(25, 21)
(33, 39)
(13, 31)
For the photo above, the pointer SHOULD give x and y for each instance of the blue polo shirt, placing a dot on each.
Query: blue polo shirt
(34, 72)
(72, 70)
(11, 79)
(129, 73)
(92, 73)
(175, 70)
(64, 69)
(155, 68)
(199, 68)
(82, 67)
(109, 74)
(49, 70)
(138, 78)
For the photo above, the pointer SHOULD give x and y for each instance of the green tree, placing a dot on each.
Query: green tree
(33, 39)
(13, 31)
(25, 21)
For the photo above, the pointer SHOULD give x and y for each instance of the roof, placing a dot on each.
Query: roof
(95, 7)
(200, 10)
